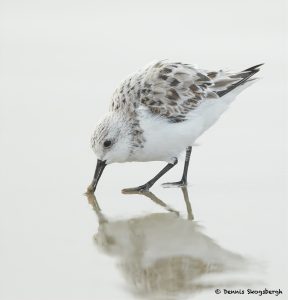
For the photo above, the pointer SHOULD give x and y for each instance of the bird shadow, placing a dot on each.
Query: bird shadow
(164, 255)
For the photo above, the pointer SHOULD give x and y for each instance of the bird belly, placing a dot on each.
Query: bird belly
(166, 140)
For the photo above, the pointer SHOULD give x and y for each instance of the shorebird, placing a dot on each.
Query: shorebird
(159, 111)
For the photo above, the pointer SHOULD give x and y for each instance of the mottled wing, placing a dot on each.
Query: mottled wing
(171, 90)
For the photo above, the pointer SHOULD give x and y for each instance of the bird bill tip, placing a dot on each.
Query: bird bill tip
(101, 164)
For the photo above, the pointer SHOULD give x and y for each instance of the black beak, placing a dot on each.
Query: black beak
(98, 172)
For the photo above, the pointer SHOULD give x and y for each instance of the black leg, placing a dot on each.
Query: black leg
(145, 187)
(183, 181)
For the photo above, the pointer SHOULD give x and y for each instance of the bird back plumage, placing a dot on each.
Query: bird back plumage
(172, 90)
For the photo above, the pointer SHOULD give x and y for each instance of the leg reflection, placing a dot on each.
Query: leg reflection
(190, 215)
(160, 202)
(102, 219)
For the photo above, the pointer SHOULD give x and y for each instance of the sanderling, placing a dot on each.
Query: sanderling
(160, 111)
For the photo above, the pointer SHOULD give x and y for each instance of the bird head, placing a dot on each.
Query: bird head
(111, 142)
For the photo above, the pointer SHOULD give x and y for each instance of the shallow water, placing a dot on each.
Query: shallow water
(165, 255)
(57, 243)
(59, 64)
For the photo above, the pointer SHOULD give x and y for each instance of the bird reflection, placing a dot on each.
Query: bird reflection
(163, 254)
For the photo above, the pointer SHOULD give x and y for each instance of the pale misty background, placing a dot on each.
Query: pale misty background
(59, 64)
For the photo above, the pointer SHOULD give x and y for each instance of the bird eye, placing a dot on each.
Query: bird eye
(107, 143)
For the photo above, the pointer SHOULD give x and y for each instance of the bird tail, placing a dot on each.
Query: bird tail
(244, 77)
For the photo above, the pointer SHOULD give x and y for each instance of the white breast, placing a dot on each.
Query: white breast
(164, 140)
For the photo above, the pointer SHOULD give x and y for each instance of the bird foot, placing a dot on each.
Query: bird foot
(177, 184)
(139, 189)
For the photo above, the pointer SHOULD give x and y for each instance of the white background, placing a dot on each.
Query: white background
(59, 64)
